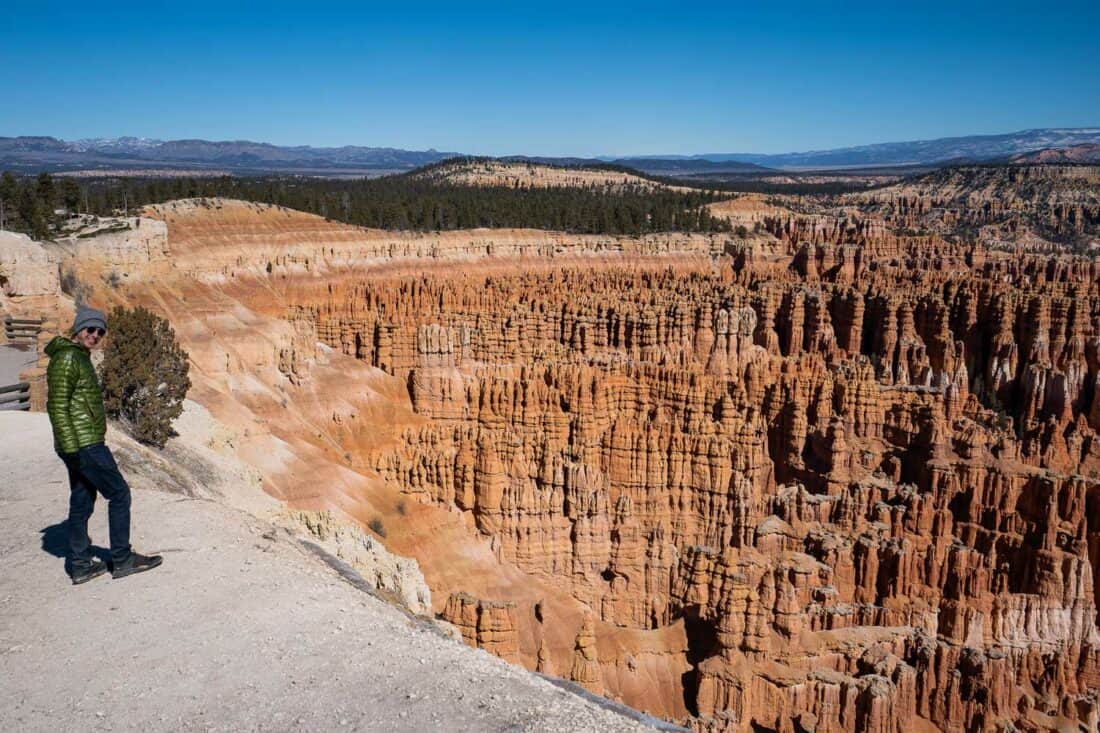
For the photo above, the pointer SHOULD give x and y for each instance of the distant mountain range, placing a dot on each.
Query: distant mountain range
(972, 148)
(32, 154)
(239, 156)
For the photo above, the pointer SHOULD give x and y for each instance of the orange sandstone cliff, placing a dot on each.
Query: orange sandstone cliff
(847, 481)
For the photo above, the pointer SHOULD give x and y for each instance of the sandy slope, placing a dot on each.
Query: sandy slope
(243, 628)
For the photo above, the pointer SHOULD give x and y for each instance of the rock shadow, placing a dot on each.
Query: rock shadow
(702, 640)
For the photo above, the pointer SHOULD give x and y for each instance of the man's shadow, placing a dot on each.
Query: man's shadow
(55, 540)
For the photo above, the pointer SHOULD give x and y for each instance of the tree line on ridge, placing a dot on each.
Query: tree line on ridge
(38, 205)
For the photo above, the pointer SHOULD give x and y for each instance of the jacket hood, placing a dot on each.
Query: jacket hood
(58, 343)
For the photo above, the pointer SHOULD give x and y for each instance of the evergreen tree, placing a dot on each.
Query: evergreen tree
(70, 194)
(33, 213)
(144, 374)
(45, 190)
(422, 204)
(9, 199)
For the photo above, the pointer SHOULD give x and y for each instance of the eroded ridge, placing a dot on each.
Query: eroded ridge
(862, 486)
(827, 475)
(1022, 207)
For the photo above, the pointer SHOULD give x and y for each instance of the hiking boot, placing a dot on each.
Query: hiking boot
(135, 563)
(84, 573)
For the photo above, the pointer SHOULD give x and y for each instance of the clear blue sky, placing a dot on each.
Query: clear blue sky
(556, 79)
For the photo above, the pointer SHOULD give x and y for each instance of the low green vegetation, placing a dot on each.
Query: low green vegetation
(796, 188)
(144, 374)
(377, 526)
(30, 204)
(403, 202)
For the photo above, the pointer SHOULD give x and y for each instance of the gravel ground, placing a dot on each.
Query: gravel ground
(241, 629)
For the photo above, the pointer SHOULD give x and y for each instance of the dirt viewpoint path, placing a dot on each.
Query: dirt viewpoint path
(242, 629)
(13, 360)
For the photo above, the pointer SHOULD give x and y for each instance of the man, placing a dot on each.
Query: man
(75, 407)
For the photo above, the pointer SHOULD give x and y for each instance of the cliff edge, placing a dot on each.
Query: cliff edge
(246, 627)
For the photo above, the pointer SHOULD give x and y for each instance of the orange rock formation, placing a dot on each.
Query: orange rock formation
(851, 485)
(1038, 207)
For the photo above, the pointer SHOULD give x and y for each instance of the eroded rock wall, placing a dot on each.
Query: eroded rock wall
(867, 492)
(1018, 207)
(846, 484)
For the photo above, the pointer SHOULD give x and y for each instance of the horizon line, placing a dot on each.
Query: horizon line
(602, 156)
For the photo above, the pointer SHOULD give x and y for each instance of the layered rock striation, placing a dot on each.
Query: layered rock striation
(859, 487)
(850, 483)
(1032, 207)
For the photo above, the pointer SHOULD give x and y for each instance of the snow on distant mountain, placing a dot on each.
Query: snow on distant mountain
(114, 144)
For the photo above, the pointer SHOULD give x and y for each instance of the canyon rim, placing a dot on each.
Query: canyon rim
(835, 469)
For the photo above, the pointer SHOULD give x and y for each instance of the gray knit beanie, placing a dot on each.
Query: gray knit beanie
(86, 316)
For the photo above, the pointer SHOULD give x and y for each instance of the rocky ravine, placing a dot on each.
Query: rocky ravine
(847, 483)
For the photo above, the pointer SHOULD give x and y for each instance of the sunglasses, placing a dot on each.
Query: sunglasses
(101, 332)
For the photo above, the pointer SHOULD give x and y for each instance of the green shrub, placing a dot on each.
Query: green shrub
(71, 285)
(144, 374)
(377, 526)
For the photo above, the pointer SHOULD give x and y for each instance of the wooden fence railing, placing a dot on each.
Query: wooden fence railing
(22, 330)
(15, 397)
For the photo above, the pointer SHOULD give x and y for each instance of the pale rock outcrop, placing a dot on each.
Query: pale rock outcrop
(397, 576)
(25, 269)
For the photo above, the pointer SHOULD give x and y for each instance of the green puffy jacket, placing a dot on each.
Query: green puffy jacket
(75, 402)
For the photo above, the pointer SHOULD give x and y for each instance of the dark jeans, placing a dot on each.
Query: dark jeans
(92, 471)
